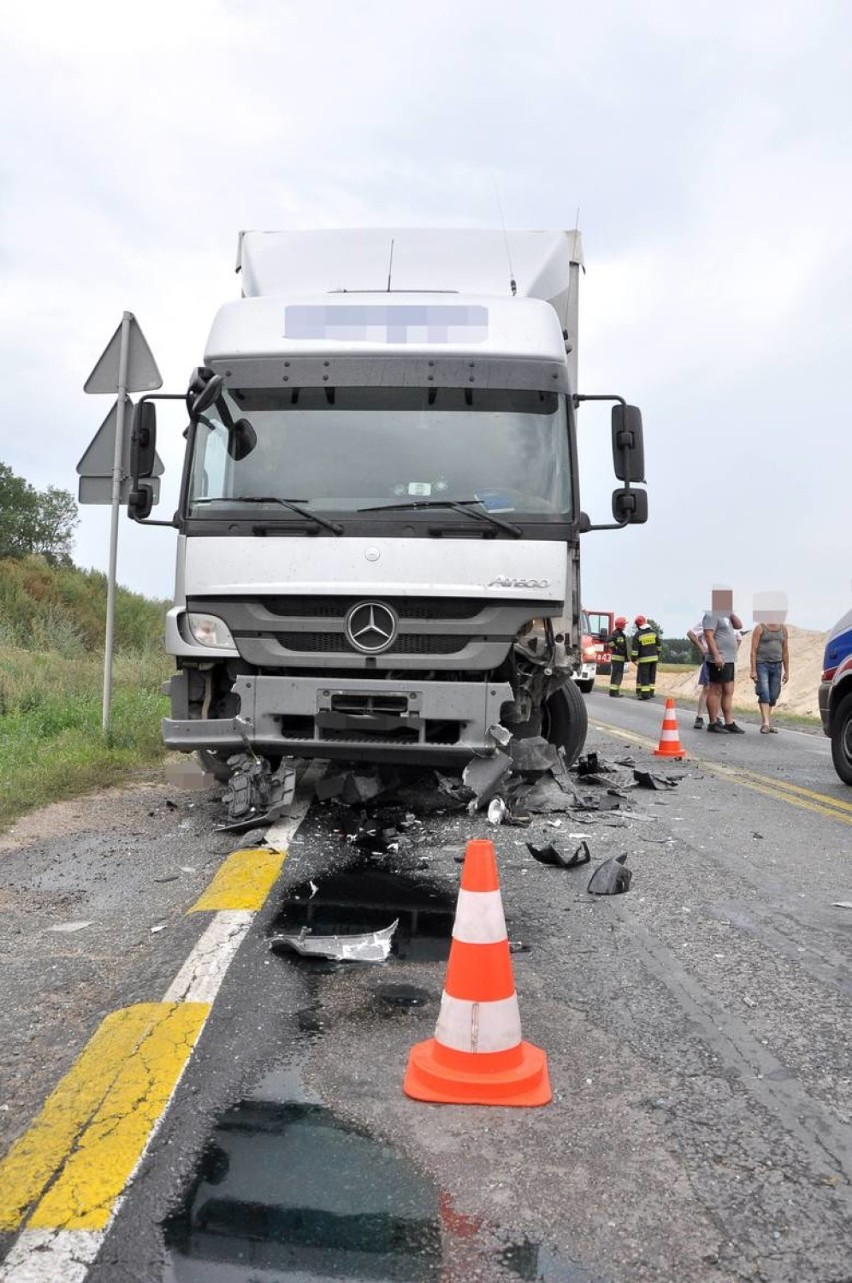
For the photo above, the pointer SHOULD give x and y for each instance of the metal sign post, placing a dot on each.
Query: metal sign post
(125, 366)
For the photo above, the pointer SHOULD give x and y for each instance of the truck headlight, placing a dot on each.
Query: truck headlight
(209, 630)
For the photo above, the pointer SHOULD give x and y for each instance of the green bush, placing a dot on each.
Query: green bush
(52, 743)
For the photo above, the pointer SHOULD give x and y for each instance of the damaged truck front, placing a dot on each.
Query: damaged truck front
(379, 521)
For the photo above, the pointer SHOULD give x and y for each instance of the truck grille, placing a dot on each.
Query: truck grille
(405, 644)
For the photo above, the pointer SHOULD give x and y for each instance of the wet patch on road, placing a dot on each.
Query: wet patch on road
(363, 898)
(289, 1189)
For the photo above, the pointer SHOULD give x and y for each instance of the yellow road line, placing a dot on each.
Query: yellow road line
(243, 881)
(94, 1126)
(794, 794)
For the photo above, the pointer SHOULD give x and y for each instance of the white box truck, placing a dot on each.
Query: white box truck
(379, 522)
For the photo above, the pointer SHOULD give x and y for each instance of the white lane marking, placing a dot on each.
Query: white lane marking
(64, 1256)
(200, 978)
(51, 1256)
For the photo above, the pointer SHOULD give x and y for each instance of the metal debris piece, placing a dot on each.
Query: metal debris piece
(611, 877)
(551, 855)
(374, 946)
(255, 794)
(483, 775)
(66, 928)
(841, 904)
(161, 926)
(533, 756)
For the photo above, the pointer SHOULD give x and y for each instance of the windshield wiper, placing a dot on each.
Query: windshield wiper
(292, 504)
(458, 505)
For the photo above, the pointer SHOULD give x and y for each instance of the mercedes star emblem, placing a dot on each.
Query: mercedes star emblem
(371, 627)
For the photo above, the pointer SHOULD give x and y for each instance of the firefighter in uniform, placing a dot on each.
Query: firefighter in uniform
(645, 651)
(620, 655)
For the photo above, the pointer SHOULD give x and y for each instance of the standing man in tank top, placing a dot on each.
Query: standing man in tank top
(720, 633)
(770, 667)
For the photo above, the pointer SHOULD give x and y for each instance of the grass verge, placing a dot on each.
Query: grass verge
(52, 744)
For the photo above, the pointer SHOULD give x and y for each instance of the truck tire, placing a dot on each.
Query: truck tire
(841, 739)
(566, 721)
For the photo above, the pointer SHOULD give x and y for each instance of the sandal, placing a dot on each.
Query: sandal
(766, 730)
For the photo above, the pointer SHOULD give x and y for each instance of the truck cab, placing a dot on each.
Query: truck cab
(379, 522)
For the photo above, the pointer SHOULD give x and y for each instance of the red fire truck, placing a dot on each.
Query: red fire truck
(601, 624)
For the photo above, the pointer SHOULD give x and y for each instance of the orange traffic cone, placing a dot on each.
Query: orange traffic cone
(477, 1056)
(669, 745)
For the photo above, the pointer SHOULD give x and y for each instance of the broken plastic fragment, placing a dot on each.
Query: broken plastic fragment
(533, 755)
(371, 947)
(68, 927)
(483, 776)
(550, 855)
(611, 877)
(647, 780)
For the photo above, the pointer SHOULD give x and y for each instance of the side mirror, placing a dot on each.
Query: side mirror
(628, 450)
(630, 507)
(241, 440)
(140, 502)
(204, 388)
(143, 440)
(584, 524)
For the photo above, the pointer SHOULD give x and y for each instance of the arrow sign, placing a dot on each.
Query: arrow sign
(142, 372)
(100, 454)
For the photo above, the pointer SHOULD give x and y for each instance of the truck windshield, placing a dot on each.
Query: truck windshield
(344, 449)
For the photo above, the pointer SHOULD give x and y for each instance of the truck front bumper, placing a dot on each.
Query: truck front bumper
(414, 721)
(824, 698)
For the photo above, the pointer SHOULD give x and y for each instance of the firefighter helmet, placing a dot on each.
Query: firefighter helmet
(640, 621)
(620, 621)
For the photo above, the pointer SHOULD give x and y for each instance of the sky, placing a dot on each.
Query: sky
(707, 149)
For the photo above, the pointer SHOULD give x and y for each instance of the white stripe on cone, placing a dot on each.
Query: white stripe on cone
(479, 918)
(478, 1026)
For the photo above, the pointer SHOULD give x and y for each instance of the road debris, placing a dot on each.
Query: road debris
(611, 877)
(552, 855)
(374, 946)
(650, 780)
(66, 928)
(256, 794)
(483, 776)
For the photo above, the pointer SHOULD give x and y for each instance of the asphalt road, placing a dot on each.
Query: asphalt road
(696, 1031)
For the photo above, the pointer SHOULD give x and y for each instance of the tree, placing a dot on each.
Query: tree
(55, 525)
(33, 521)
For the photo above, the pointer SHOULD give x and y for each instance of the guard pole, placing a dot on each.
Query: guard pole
(127, 317)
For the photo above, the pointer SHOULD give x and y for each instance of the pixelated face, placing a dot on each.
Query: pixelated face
(770, 607)
(722, 600)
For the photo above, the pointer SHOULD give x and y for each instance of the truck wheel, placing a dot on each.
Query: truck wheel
(566, 721)
(841, 739)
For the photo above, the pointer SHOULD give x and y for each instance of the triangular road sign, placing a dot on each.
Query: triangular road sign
(99, 457)
(142, 372)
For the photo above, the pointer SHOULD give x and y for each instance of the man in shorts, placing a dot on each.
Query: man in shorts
(696, 636)
(720, 634)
